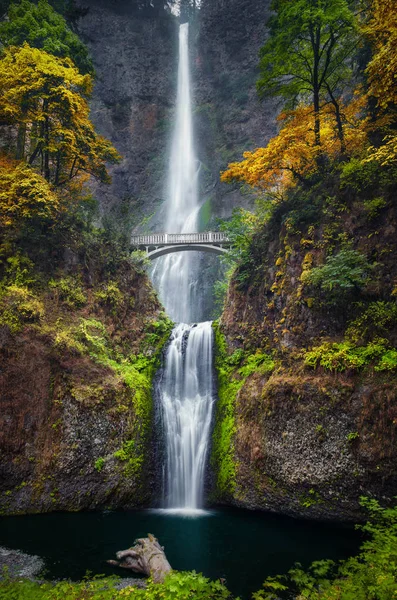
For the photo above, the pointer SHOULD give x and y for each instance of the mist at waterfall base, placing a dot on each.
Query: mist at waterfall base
(244, 547)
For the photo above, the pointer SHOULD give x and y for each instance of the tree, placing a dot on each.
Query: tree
(308, 55)
(382, 69)
(381, 30)
(49, 97)
(293, 154)
(41, 27)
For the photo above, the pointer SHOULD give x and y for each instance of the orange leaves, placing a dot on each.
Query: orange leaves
(293, 154)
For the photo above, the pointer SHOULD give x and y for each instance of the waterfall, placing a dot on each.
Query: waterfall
(175, 275)
(185, 391)
(187, 399)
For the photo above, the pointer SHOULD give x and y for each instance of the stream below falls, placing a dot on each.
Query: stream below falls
(244, 547)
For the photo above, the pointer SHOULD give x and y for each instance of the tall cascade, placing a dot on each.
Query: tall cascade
(175, 275)
(186, 394)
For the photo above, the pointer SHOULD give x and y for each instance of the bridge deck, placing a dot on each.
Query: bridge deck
(171, 239)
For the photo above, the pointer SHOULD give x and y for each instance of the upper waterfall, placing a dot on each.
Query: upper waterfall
(176, 276)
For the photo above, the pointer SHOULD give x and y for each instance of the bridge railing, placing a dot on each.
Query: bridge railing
(159, 239)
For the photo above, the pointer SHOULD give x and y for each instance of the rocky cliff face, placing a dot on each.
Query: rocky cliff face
(76, 417)
(309, 436)
(134, 54)
(135, 57)
(229, 116)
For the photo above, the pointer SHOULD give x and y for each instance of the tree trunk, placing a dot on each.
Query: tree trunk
(147, 557)
(339, 123)
(21, 141)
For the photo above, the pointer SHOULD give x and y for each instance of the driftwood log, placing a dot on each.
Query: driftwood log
(146, 556)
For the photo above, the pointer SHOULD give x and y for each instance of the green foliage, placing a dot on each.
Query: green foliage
(69, 290)
(177, 586)
(43, 28)
(19, 271)
(341, 274)
(342, 356)
(239, 229)
(232, 371)
(374, 319)
(222, 456)
(18, 306)
(110, 295)
(374, 206)
(372, 575)
(140, 260)
(358, 175)
(99, 463)
(353, 435)
(257, 363)
(308, 53)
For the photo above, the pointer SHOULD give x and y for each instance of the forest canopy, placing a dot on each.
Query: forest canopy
(333, 109)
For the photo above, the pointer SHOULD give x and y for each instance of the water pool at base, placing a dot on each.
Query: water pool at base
(241, 546)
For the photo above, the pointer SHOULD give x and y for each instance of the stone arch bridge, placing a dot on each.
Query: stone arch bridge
(159, 244)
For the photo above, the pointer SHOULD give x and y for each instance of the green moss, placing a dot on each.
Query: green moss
(99, 463)
(230, 381)
(345, 355)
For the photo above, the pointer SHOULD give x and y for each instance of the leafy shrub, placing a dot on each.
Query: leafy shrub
(139, 260)
(345, 355)
(18, 305)
(177, 586)
(374, 206)
(376, 318)
(99, 463)
(110, 295)
(358, 175)
(369, 576)
(340, 275)
(69, 290)
(257, 363)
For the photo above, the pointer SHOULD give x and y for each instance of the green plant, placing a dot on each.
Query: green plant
(353, 435)
(18, 305)
(69, 290)
(345, 355)
(177, 586)
(373, 206)
(99, 463)
(371, 575)
(374, 319)
(110, 295)
(341, 274)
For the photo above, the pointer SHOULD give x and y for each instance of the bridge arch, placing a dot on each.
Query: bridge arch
(157, 252)
(159, 244)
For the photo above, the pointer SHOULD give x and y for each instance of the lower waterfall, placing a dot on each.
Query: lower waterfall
(186, 400)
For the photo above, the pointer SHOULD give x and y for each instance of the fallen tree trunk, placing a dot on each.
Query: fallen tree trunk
(147, 557)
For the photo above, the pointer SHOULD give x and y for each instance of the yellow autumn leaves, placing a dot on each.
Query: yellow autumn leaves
(44, 103)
